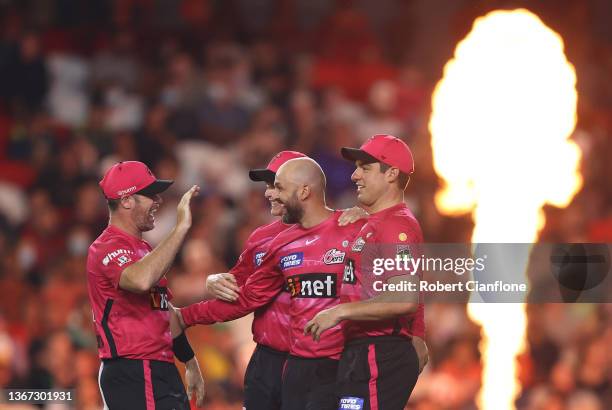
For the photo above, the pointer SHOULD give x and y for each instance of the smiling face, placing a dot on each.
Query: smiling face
(276, 207)
(284, 195)
(143, 212)
(371, 182)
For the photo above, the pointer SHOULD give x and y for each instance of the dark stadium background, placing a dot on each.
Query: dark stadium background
(202, 91)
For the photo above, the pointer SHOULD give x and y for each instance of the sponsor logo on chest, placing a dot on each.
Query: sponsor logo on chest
(292, 260)
(313, 285)
(333, 256)
(158, 296)
(358, 245)
(311, 241)
(348, 275)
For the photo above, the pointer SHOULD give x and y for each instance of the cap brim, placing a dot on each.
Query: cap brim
(355, 154)
(156, 187)
(264, 175)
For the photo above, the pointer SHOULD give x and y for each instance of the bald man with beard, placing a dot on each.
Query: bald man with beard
(307, 259)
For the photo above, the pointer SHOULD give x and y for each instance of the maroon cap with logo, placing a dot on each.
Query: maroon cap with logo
(387, 149)
(129, 178)
(275, 163)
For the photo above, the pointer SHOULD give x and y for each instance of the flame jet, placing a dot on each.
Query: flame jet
(501, 120)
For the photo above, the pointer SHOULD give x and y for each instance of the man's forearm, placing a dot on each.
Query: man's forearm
(142, 275)
(215, 311)
(378, 308)
(385, 305)
(259, 290)
(175, 325)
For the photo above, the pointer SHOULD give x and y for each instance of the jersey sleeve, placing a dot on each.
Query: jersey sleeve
(112, 259)
(259, 289)
(245, 265)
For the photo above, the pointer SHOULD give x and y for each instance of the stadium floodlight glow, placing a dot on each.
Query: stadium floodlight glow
(500, 126)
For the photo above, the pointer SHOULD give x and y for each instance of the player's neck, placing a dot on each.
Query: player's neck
(125, 226)
(315, 216)
(389, 199)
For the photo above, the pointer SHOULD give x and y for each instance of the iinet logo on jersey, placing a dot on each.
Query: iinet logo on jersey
(123, 256)
(312, 285)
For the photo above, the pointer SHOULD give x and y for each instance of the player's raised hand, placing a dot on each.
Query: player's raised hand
(183, 210)
(352, 215)
(223, 286)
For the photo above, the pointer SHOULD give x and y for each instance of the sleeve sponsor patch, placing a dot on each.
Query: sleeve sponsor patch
(404, 250)
(120, 257)
(258, 258)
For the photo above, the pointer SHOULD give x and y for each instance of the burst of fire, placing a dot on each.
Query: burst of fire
(502, 116)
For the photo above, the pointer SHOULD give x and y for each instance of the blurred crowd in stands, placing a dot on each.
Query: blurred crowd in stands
(203, 90)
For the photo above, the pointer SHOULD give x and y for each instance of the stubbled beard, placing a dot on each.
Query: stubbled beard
(142, 222)
(293, 213)
(144, 225)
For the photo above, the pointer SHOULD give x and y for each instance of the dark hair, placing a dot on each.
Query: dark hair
(402, 178)
(113, 204)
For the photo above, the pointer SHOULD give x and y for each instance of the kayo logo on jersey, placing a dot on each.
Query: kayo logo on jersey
(292, 260)
(312, 285)
(333, 256)
(122, 255)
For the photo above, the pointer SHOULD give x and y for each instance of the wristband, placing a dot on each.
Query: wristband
(181, 348)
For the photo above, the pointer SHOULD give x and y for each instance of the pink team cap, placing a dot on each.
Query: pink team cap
(129, 178)
(267, 174)
(387, 149)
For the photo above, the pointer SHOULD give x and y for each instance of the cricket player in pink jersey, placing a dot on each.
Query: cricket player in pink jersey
(130, 299)
(308, 258)
(380, 365)
(263, 377)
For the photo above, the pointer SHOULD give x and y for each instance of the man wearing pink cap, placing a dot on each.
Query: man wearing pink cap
(307, 259)
(263, 377)
(380, 362)
(130, 299)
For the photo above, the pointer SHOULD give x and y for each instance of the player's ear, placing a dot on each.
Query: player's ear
(392, 174)
(127, 202)
(304, 192)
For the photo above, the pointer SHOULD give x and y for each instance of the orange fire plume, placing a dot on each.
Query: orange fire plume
(502, 117)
